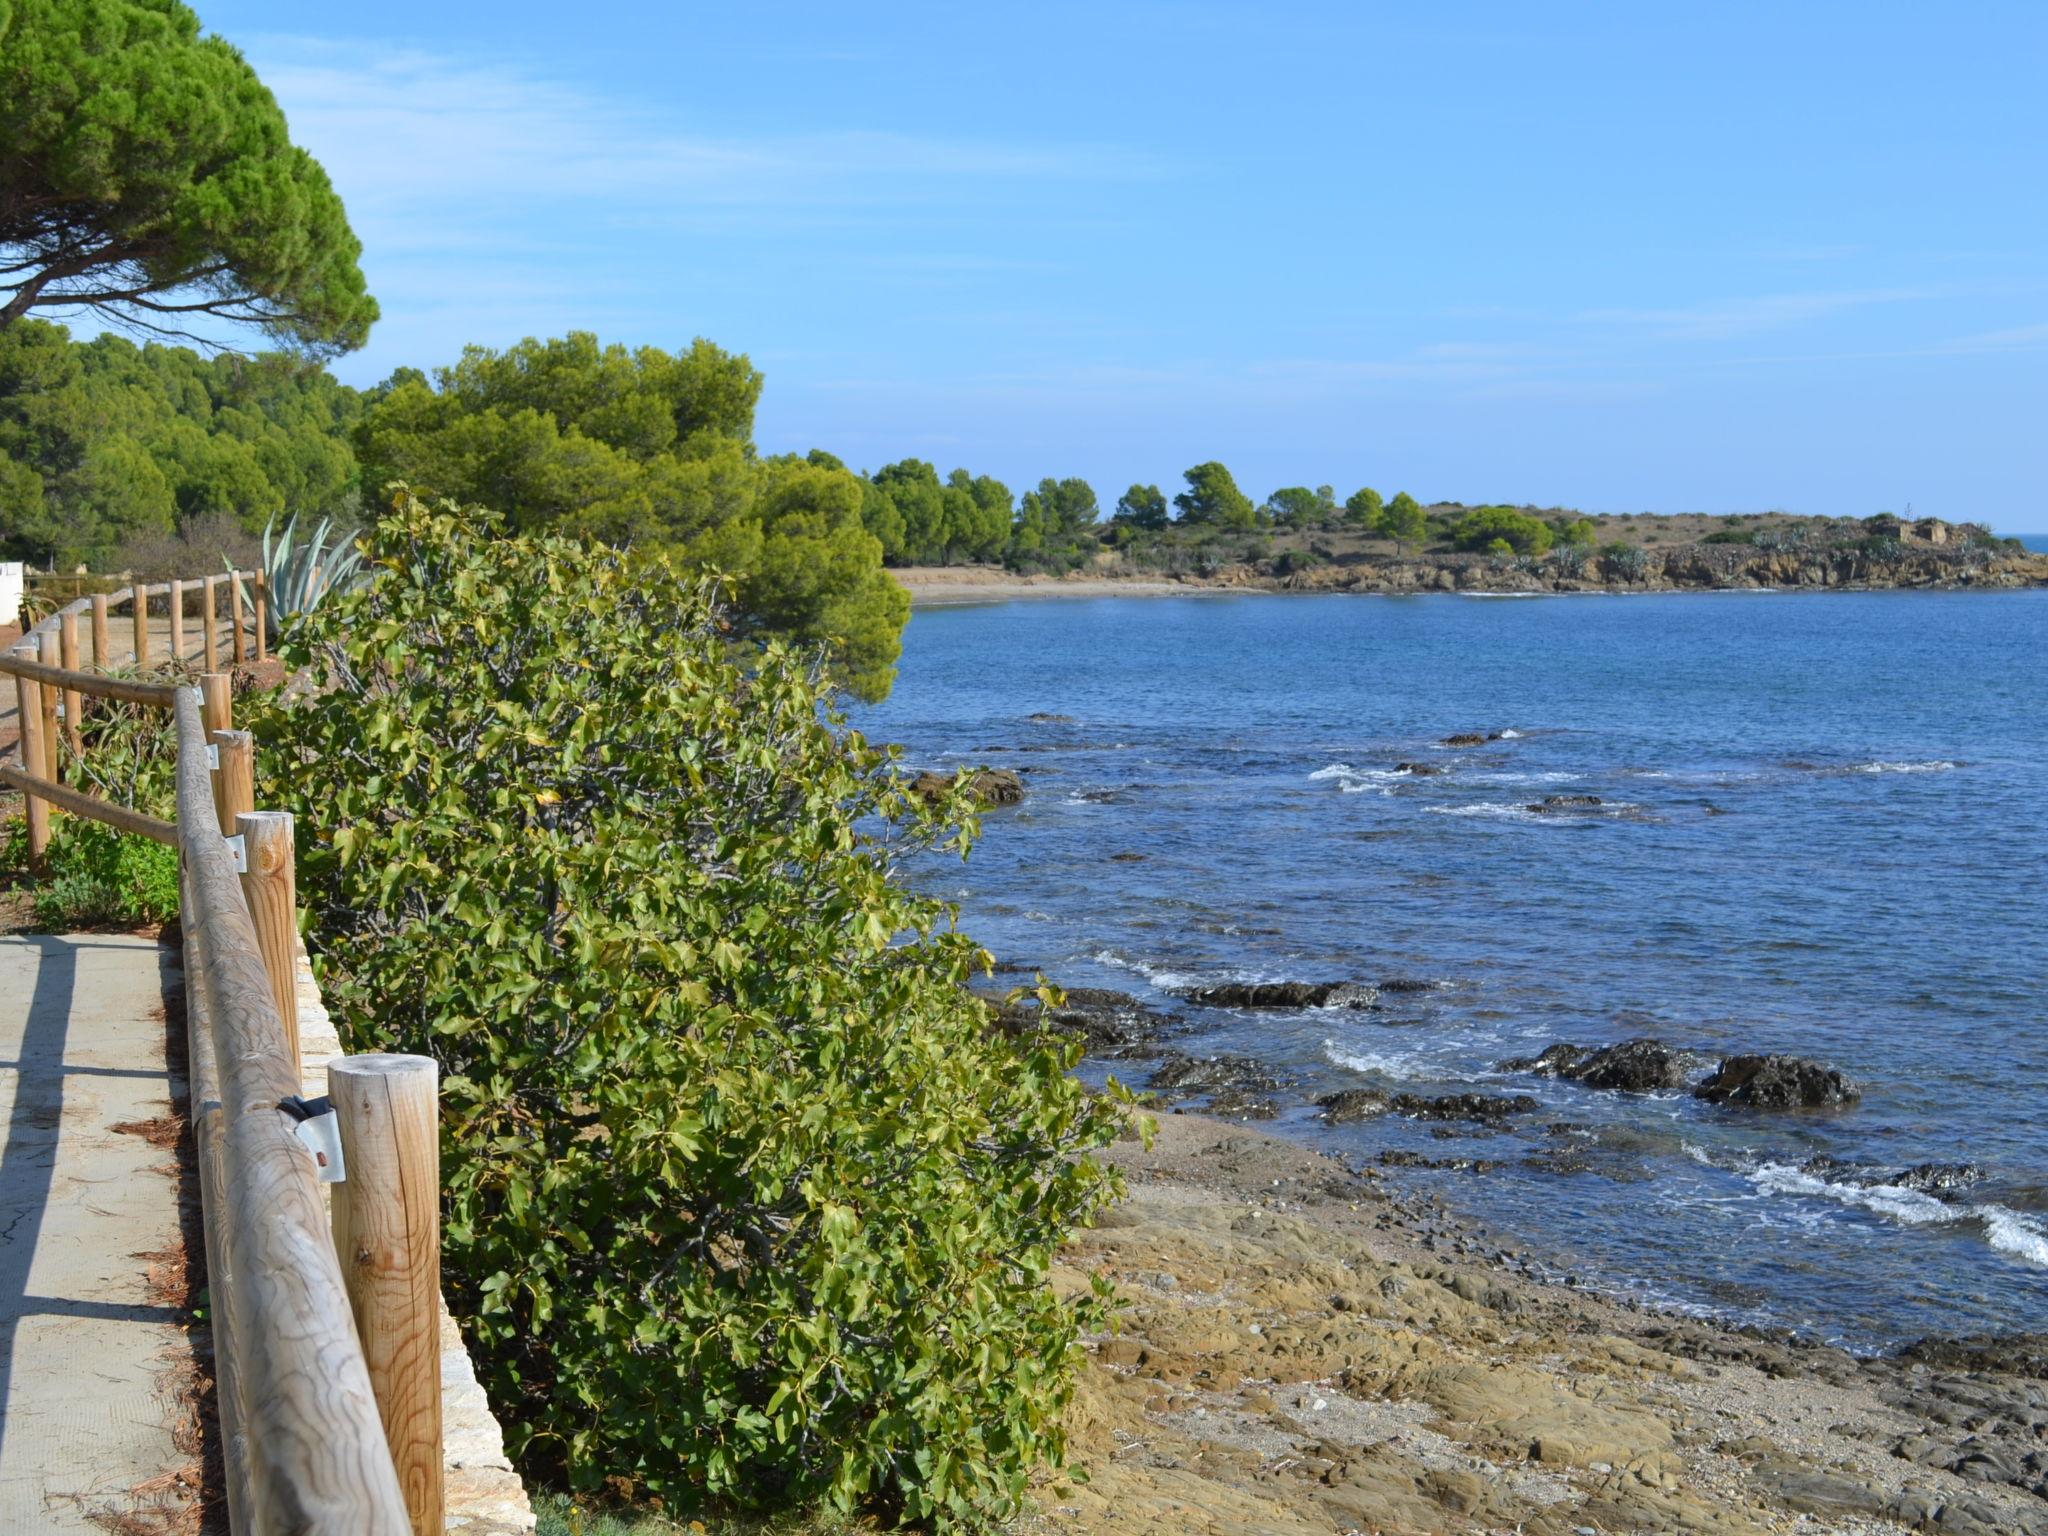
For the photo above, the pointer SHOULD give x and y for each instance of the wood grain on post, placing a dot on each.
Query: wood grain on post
(305, 1447)
(387, 1231)
(177, 620)
(211, 625)
(217, 702)
(28, 717)
(100, 659)
(261, 583)
(237, 600)
(234, 781)
(49, 699)
(141, 607)
(74, 702)
(270, 886)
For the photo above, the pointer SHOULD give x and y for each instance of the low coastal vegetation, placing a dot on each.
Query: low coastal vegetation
(746, 1201)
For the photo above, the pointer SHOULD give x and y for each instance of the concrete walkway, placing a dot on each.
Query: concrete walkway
(89, 1358)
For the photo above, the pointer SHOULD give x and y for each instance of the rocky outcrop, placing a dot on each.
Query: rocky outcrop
(988, 786)
(1284, 994)
(1633, 1066)
(1484, 1108)
(1927, 1178)
(1778, 1082)
(1564, 805)
(1352, 1105)
(1111, 1024)
(1234, 1087)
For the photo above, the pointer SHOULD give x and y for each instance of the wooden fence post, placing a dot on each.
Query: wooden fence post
(237, 600)
(216, 702)
(177, 620)
(262, 585)
(29, 722)
(387, 1232)
(100, 659)
(74, 702)
(141, 607)
(212, 625)
(234, 781)
(50, 697)
(270, 886)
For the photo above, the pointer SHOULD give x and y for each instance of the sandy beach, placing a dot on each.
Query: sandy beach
(1305, 1352)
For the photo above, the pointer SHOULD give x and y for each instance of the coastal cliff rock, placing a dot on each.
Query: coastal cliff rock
(1778, 1082)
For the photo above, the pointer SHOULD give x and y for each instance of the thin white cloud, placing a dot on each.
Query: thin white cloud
(2019, 338)
(424, 149)
(1728, 318)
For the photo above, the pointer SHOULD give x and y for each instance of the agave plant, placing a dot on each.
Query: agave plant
(299, 572)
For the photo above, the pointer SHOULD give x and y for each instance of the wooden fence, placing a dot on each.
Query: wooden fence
(326, 1357)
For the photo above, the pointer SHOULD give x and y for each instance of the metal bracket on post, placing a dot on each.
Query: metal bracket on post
(239, 852)
(213, 755)
(316, 1126)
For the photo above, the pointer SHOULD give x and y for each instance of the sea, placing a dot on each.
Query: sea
(1822, 829)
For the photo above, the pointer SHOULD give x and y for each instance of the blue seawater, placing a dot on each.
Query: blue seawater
(1823, 830)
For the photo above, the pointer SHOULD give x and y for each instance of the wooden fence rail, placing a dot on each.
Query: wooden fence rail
(328, 1389)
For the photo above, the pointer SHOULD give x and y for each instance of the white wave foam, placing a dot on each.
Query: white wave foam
(1511, 811)
(1356, 781)
(2010, 1232)
(1504, 777)
(1162, 977)
(2005, 1229)
(1510, 735)
(1932, 765)
(1368, 1061)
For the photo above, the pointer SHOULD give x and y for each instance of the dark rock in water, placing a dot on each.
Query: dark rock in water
(1400, 1157)
(1634, 1066)
(1127, 858)
(1101, 796)
(1285, 994)
(1421, 770)
(1928, 1178)
(1410, 984)
(1939, 1178)
(1113, 1024)
(1482, 1107)
(1553, 1062)
(1237, 1086)
(1778, 1082)
(1044, 719)
(1353, 1104)
(989, 786)
(1552, 805)
(1465, 739)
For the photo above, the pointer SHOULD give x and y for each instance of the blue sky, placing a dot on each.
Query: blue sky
(1621, 257)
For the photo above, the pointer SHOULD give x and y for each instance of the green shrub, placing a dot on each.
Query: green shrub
(744, 1198)
(1730, 536)
(1483, 526)
(97, 877)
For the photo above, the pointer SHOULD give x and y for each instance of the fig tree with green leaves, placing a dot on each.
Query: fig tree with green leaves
(147, 177)
(744, 1196)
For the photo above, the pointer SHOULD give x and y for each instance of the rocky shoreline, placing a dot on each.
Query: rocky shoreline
(1305, 1350)
(1685, 568)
